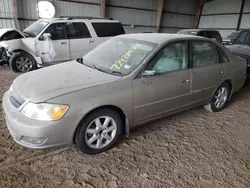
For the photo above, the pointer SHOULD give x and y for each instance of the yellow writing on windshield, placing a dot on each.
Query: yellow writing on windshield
(120, 62)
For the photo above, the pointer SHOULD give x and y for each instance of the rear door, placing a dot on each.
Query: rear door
(80, 39)
(208, 72)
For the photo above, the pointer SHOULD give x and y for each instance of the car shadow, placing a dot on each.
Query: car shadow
(155, 125)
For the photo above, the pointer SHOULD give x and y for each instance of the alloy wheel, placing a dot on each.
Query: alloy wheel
(221, 97)
(100, 132)
(24, 64)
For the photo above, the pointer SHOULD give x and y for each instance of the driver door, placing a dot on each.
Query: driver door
(168, 89)
(56, 48)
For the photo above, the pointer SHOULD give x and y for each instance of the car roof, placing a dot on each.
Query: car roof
(197, 30)
(159, 37)
(78, 19)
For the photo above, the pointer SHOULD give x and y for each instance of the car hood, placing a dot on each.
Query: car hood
(44, 84)
(239, 49)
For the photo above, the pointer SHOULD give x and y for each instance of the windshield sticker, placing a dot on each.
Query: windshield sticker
(120, 62)
(126, 66)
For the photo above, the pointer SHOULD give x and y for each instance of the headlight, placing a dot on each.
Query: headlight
(44, 111)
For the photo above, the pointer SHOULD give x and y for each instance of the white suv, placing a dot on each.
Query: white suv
(50, 41)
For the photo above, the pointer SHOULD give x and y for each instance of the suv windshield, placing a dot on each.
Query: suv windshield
(34, 29)
(233, 35)
(118, 55)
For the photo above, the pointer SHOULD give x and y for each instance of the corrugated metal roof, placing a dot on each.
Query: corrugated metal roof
(219, 21)
(132, 16)
(221, 6)
(145, 4)
(181, 6)
(6, 9)
(177, 20)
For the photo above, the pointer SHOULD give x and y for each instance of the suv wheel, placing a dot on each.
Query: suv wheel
(220, 98)
(99, 131)
(22, 62)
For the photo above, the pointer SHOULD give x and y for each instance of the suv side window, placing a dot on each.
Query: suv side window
(57, 31)
(106, 29)
(78, 31)
(11, 35)
(171, 58)
(203, 54)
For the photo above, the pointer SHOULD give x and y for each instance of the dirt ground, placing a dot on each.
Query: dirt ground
(192, 149)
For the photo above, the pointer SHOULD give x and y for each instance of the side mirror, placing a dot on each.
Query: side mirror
(148, 73)
(45, 36)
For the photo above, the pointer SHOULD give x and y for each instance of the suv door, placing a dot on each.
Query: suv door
(208, 72)
(56, 48)
(81, 41)
(168, 89)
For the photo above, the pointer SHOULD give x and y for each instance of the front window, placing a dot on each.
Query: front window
(118, 55)
(34, 29)
(174, 57)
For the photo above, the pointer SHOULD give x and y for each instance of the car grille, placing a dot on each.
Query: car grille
(15, 100)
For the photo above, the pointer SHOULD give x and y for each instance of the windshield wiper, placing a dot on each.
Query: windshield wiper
(110, 72)
(115, 72)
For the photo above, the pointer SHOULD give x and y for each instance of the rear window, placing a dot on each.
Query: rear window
(108, 29)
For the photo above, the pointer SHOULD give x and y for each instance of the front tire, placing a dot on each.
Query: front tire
(220, 98)
(22, 62)
(99, 131)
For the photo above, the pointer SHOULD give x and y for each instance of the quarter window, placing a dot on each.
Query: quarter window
(78, 30)
(108, 29)
(172, 58)
(223, 56)
(203, 54)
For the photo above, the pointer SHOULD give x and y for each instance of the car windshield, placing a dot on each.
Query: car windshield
(34, 29)
(119, 56)
(233, 35)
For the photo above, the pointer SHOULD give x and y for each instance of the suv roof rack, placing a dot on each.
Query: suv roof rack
(84, 17)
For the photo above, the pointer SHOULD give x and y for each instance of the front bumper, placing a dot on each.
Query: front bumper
(50, 133)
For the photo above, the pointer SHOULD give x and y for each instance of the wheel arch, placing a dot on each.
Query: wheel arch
(229, 82)
(116, 109)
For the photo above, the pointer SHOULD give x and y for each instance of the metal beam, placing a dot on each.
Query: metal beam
(103, 8)
(199, 7)
(240, 16)
(15, 14)
(159, 15)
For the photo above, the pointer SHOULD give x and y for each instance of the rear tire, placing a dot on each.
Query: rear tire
(99, 131)
(22, 62)
(220, 98)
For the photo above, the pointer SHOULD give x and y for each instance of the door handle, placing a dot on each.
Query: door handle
(63, 43)
(221, 72)
(185, 81)
(90, 41)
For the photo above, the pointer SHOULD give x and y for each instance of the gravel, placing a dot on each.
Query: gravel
(191, 149)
